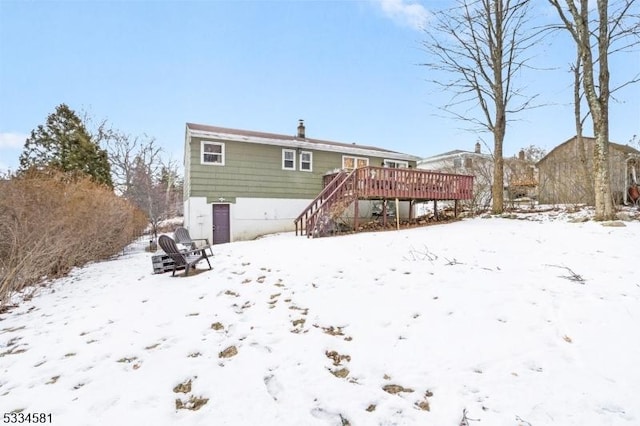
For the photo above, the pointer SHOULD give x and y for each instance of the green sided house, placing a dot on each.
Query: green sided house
(241, 184)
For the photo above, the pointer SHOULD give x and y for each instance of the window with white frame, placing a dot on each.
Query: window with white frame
(350, 163)
(306, 160)
(288, 159)
(396, 164)
(212, 153)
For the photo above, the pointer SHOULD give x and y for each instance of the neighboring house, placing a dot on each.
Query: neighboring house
(466, 162)
(241, 184)
(565, 179)
(521, 179)
(520, 182)
(458, 160)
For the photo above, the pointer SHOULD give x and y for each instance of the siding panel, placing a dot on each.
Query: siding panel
(561, 176)
(255, 171)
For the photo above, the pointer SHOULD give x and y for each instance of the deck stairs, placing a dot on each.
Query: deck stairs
(320, 217)
(325, 214)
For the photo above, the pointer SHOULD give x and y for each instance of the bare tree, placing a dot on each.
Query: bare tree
(586, 168)
(533, 153)
(141, 175)
(597, 33)
(145, 192)
(482, 170)
(172, 183)
(480, 45)
(126, 152)
(139, 172)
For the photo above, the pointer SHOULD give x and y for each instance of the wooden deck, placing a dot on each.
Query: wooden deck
(409, 184)
(341, 189)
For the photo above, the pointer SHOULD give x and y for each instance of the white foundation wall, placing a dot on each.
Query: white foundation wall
(252, 217)
(198, 218)
(248, 217)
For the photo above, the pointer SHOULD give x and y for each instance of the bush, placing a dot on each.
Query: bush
(51, 222)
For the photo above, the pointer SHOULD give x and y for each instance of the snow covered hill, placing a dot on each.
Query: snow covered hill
(487, 321)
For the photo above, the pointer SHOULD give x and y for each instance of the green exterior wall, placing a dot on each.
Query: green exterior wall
(255, 171)
(186, 186)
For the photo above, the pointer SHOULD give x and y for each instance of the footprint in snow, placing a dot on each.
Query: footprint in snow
(334, 418)
(265, 349)
(274, 387)
(610, 409)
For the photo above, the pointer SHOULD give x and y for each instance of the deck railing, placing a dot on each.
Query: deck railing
(342, 188)
(411, 184)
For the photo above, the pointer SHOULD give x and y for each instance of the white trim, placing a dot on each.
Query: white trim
(318, 146)
(310, 169)
(221, 153)
(293, 158)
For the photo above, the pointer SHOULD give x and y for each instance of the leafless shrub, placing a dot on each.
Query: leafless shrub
(482, 170)
(51, 222)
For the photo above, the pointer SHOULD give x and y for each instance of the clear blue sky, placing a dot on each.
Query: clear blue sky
(348, 68)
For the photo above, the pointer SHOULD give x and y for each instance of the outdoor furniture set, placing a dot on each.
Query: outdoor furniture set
(181, 258)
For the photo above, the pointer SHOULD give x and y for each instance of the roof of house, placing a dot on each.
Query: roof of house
(251, 136)
(624, 148)
(454, 153)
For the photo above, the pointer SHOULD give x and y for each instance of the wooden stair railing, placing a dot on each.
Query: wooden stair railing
(321, 223)
(312, 208)
(338, 189)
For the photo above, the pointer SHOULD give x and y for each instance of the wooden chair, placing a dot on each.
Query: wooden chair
(182, 236)
(182, 259)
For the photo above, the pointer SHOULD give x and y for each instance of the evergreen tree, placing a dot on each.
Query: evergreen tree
(65, 144)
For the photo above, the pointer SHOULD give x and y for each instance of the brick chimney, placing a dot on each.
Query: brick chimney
(301, 129)
(477, 147)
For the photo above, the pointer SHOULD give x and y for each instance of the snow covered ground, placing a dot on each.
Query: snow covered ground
(532, 320)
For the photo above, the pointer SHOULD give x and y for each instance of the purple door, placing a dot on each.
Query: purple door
(221, 232)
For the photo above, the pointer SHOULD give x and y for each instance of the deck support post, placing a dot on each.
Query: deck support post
(356, 214)
(384, 212)
(411, 206)
(435, 209)
(397, 214)
(455, 208)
